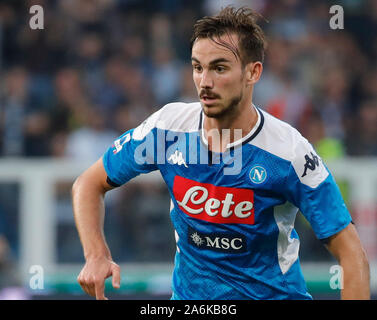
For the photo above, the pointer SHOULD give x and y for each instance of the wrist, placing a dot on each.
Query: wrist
(98, 253)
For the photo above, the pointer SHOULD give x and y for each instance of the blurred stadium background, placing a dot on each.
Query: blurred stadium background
(99, 67)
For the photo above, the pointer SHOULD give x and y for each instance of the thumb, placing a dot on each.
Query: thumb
(115, 270)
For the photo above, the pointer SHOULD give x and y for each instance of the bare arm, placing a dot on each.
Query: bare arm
(88, 193)
(348, 250)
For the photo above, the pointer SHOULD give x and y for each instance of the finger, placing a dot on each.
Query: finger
(89, 289)
(116, 276)
(83, 285)
(88, 286)
(100, 290)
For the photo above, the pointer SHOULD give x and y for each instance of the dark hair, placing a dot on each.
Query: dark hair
(242, 22)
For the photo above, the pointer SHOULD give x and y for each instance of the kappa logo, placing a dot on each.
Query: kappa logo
(177, 158)
(222, 242)
(311, 163)
(258, 174)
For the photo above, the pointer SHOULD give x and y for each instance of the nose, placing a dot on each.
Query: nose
(206, 80)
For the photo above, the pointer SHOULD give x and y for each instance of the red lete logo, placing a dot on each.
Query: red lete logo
(214, 204)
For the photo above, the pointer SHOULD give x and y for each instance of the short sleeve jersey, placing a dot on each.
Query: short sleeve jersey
(232, 243)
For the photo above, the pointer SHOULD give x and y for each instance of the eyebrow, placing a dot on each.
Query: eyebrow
(216, 61)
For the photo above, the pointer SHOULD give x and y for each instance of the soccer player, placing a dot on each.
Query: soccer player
(227, 164)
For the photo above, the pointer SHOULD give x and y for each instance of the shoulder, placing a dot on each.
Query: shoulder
(180, 116)
(278, 137)
(286, 142)
(176, 116)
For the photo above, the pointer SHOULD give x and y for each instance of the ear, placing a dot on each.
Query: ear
(253, 71)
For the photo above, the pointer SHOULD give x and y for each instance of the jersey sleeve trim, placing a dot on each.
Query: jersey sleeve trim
(109, 179)
(327, 239)
(112, 183)
(326, 236)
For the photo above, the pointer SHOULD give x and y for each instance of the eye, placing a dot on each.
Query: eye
(197, 67)
(220, 69)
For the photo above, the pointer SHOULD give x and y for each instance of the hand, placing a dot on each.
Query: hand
(92, 276)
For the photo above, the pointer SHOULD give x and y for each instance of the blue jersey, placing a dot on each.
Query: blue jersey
(231, 242)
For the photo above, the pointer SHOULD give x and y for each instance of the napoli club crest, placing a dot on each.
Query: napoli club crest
(258, 174)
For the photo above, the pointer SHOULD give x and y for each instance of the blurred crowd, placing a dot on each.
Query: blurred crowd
(96, 70)
(100, 67)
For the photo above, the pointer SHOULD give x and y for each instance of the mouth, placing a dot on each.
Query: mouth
(208, 99)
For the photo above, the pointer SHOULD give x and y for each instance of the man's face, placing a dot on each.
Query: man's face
(218, 76)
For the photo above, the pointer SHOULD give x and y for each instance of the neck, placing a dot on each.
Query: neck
(219, 132)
